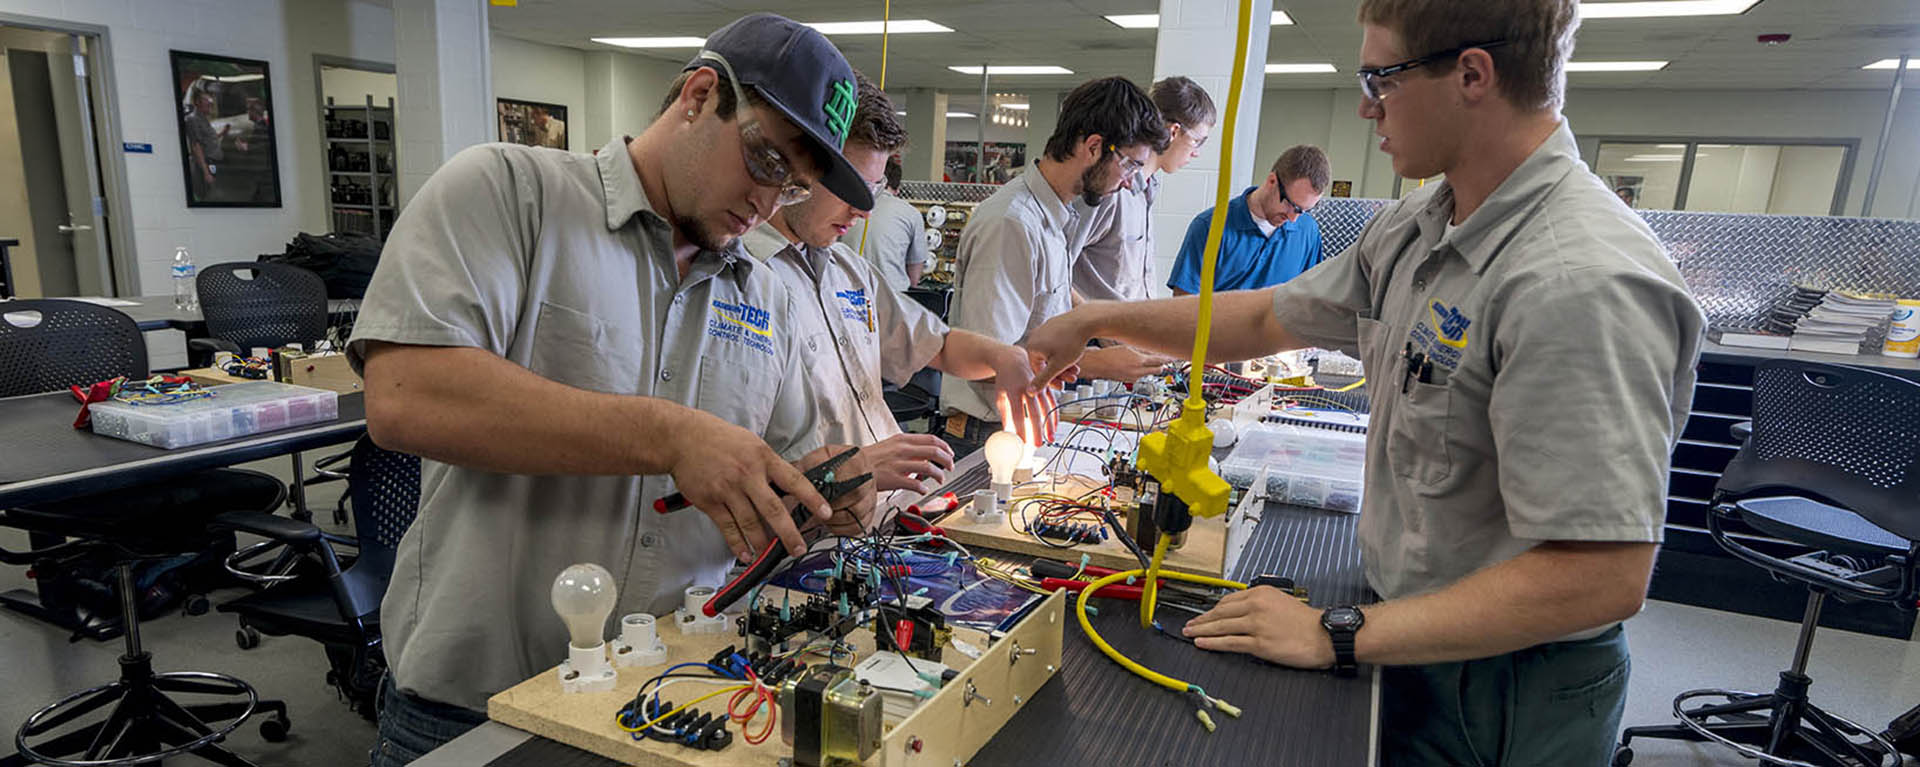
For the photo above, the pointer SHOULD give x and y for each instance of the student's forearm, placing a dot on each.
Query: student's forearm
(1553, 590)
(469, 407)
(1243, 325)
(968, 355)
(913, 273)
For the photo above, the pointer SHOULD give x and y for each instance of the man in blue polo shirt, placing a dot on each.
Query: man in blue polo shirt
(1270, 237)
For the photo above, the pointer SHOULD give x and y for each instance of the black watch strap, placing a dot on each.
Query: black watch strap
(1342, 623)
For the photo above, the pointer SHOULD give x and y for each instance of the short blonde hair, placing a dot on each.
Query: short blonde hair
(1538, 34)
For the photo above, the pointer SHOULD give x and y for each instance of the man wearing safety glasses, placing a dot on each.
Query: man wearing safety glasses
(1530, 352)
(565, 338)
(1270, 236)
(1014, 268)
(1114, 261)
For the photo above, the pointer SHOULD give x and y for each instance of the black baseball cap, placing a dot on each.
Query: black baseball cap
(795, 69)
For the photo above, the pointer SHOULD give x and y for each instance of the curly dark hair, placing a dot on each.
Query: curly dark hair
(1112, 108)
(874, 123)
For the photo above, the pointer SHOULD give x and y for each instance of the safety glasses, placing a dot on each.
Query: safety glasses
(1375, 86)
(766, 164)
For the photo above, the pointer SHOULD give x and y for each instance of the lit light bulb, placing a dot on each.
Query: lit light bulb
(583, 595)
(1004, 451)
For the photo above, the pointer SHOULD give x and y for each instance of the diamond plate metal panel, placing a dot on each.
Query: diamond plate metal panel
(1737, 264)
(940, 191)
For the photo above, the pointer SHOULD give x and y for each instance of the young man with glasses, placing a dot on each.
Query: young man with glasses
(1115, 263)
(894, 235)
(565, 338)
(1532, 353)
(1014, 269)
(856, 330)
(1270, 236)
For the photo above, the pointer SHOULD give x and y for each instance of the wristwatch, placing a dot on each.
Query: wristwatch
(1341, 624)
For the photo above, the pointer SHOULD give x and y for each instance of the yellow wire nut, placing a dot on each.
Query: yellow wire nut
(1205, 721)
(1226, 708)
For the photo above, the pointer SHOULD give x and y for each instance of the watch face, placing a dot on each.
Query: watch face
(1342, 619)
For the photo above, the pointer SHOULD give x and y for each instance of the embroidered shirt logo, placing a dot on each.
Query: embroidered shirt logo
(742, 323)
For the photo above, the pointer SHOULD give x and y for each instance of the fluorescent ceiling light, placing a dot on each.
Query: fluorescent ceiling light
(961, 114)
(653, 42)
(1913, 63)
(1615, 66)
(1655, 158)
(900, 112)
(1300, 69)
(1020, 107)
(1640, 9)
(246, 78)
(1670, 146)
(1151, 20)
(997, 69)
(897, 27)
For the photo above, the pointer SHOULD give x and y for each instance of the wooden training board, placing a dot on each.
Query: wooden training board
(1205, 552)
(325, 371)
(948, 728)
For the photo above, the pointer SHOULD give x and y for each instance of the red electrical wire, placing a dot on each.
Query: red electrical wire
(762, 695)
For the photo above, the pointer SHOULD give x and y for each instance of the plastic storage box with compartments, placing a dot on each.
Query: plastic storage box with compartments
(234, 410)
(1305, 466)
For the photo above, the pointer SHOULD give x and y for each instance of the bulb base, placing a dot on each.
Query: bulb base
(639, 643)
(694, 622)
(586, 670)
(986, 503)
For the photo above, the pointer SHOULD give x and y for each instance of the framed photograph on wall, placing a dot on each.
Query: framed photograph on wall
(223, 107)
(533, 124)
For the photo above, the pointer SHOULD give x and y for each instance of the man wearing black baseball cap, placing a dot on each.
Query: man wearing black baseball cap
(566, 338)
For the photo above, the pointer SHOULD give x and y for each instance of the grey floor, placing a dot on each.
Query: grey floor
(1675, 648)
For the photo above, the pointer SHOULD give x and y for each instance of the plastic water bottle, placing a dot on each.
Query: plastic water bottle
(185, 298)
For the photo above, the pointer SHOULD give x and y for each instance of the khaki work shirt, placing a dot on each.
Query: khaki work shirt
(896, 236)
(1563, 345)
(1012, 273)
(557, 262)
(853, 332)
(1115, 263)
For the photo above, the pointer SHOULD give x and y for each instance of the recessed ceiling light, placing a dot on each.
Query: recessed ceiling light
(653, 42)
(896, 27)
(997, 69)
(960, 114)
(1615, 66)
(1151, 20)
(1913, 63)
(1655, 158)
(1640, 9)
(900, 112)
(1021, 107)
(1300, 69)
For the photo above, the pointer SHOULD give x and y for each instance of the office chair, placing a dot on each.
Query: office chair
(248, 305)
(339, 606)
(45, 345)
(1832, 462)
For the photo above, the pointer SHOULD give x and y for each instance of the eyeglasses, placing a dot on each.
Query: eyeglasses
(766, 164)
(1373, 80)
(1128, 165)
(1290, 203)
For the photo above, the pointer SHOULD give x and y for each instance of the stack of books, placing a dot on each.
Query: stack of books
(1816, 320)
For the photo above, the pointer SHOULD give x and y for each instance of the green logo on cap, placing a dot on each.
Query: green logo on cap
(839, 108)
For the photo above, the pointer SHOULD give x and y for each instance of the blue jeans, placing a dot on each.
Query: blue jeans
(412, 726)
(1554, 705)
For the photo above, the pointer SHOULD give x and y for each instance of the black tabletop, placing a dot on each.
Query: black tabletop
(44, 458)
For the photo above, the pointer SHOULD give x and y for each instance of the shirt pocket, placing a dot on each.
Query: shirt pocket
(738, 385)
(577, 349)
(1417, 435)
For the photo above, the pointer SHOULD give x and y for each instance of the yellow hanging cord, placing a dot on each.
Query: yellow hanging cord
(886, 22)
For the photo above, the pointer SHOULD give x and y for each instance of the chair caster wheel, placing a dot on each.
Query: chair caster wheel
(1622, 757)
(246, 638)
(275, 730)
(196, 604)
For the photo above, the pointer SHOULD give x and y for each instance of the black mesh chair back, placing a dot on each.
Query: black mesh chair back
(1842, 435)
(385, 491)
(263, 304)
(49, 344)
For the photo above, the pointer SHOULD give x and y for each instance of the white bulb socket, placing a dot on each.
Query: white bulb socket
(695, 598)
(586, 670)
(639, 643)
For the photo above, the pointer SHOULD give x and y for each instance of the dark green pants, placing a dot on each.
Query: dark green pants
(1556, 705)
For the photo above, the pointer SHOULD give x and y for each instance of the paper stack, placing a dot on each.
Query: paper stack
(1841, 323)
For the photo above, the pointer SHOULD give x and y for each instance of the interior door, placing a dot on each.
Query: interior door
(86, 204)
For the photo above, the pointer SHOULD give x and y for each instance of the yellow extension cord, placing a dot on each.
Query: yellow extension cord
(1080, 608)
(886, 22)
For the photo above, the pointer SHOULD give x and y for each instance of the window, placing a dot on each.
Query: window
(1779, 178)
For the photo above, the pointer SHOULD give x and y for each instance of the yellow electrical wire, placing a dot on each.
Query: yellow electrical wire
(1080, 609)
(1222, 195)
(886, 23)
(687, 705)
(1150, 592)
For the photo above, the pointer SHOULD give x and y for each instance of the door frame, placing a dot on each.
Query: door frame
(122, 259)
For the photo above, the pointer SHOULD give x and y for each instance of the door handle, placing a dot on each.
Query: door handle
(71, 228)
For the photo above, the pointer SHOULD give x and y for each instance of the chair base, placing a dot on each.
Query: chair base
(1777, 728)
(143, 724)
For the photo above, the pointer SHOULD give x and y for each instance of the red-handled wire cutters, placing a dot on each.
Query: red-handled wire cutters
(823, 480)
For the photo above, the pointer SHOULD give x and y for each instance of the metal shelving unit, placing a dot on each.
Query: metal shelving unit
(359, 155)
